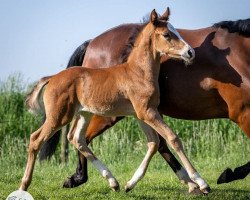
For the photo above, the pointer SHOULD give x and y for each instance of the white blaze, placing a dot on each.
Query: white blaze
(187, 47)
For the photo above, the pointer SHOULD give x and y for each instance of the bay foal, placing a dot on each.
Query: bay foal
(127, 89)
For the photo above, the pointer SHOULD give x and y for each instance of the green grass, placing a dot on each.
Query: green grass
(212, 145)
(158, 183)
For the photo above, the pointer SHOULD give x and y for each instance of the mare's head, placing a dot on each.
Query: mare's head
(167, 40)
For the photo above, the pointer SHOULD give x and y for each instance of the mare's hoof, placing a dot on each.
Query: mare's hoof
(226, 176)
(74, 181)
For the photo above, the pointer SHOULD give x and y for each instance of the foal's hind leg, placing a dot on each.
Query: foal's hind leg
(97, 126)
(153, 144)
(36, 140)
(77, 138)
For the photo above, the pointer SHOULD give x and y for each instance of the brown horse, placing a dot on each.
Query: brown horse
(130, 88)
(218, 80)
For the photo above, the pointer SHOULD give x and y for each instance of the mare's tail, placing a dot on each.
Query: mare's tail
(49, 147)
(33, 99)
(77, 57)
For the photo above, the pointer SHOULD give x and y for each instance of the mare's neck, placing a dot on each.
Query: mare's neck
(143, 58)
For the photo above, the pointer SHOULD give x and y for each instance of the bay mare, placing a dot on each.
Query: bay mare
(216, 85)
(130, 88)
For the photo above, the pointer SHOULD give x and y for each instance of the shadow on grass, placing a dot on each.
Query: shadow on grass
(181, 193)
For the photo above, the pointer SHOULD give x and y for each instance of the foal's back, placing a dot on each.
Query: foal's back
(101, 91)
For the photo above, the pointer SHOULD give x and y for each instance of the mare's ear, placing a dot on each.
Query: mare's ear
(165, 15)
(153, 17)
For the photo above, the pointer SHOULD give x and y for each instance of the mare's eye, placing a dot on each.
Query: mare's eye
(167, 36)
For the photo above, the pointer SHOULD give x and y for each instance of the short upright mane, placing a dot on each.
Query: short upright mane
(240, 26)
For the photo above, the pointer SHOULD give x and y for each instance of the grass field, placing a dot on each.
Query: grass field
(159, 182)
(212, 145)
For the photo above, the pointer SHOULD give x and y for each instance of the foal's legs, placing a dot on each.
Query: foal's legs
(153, 144)
(152, 117)
(78, 139)
(97, 126)
(180, 171)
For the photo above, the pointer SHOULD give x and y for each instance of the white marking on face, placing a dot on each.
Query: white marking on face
(173, 30)
(184, 52)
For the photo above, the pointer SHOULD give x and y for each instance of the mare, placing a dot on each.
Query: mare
(130, 88)
(217, 81)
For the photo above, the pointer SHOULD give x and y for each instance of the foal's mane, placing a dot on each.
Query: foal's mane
(133, 36)
(131, 41)
(240, 26)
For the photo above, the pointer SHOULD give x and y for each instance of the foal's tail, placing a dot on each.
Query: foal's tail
(33, 99)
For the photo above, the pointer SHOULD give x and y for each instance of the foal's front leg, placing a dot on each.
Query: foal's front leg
(78, 139)
(153, 145)
(152, 117)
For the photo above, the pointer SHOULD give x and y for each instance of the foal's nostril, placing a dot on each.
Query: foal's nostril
(190, 53)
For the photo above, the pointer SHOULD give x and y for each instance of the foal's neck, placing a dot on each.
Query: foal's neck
(144, 57)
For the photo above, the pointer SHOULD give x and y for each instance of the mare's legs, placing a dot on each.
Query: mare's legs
(77, 137)
(97, 126)
(152, 117)
(153, 144)
(239, 173)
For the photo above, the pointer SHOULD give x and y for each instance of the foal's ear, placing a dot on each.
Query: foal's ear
(153, 17)
(165, 15)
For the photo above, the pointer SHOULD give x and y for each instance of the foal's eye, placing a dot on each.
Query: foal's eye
(167, 36)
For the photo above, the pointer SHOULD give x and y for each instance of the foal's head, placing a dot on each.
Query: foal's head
(167, 40)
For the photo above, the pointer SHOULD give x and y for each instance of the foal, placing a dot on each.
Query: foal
(127, 89)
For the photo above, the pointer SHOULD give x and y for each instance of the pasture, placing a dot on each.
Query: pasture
(212, 145)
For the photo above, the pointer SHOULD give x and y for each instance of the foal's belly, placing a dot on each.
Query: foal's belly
(121, 108)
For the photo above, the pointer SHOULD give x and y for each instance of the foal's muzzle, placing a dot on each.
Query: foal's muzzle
(189, 55)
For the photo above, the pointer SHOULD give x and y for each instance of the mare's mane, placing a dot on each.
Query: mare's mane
(131, 41)
(240, 26)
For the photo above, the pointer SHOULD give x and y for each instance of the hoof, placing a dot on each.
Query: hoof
(74, 181)
(116, 188)
(226, 176)
(113, 183)
(194, 189)
(128, 188)
(206, 190)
